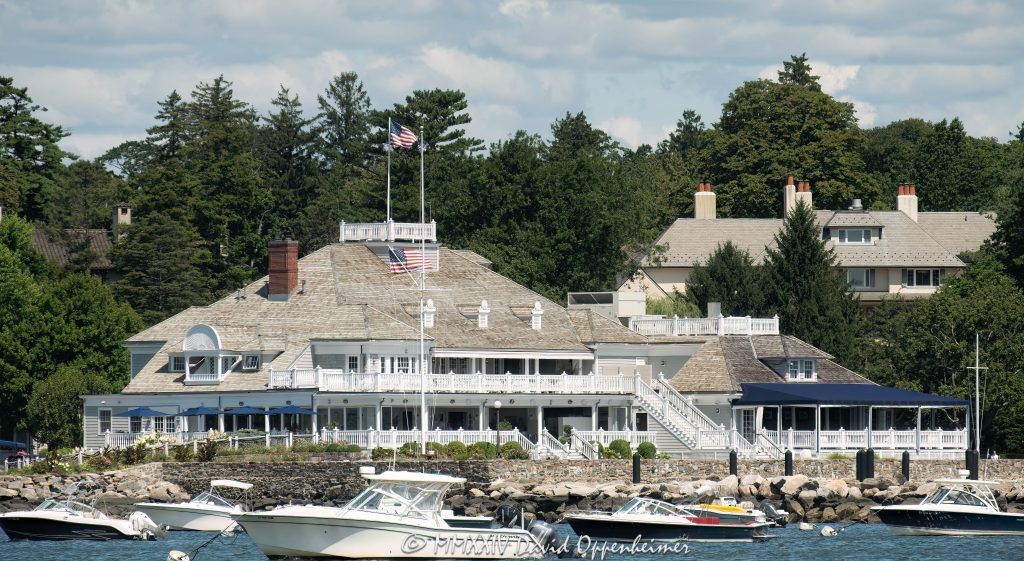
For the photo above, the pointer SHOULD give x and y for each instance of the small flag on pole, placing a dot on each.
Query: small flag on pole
(407, 259)
(401, 136)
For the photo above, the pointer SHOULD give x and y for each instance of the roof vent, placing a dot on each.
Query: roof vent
(481, 314)
(856, 205)
(536, 314)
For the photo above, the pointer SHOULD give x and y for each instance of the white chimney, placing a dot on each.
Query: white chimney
(481, 314)
(122, 217)
(704, 206)
(428, 313)
(803, 193)
(537, 313)
(906, 200)
(789, 196)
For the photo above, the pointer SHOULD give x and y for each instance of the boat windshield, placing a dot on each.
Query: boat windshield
(649, 506)
(210, 498)
(73, 507)
(968, 496)
(403, 499)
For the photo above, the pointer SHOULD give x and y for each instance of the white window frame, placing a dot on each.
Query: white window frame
(99, 419)
(934, 277)
(868, 276)
(252, 362)
(177, 363)
(133, 422)
(349, 363)
(843, 236)
(399, 368)
(801, 370)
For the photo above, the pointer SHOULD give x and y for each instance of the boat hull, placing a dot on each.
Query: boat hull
(187, 517)
(332, 535)
(36, 528)
(608, 528)
(921, 522)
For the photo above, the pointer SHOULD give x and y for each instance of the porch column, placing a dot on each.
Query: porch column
(540, 422)
(379, 416)
(817, 430)
(870, 410)
(220, 422)
(314, 419)
(266, 421)
(917, 435)
(778, 423)
(536, 365)
(593, 417)
(526, 366)
(597, 365)
(482, 417)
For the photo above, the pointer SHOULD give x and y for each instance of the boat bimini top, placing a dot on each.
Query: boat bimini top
(642, 505)
(965, 492)
(404, 493)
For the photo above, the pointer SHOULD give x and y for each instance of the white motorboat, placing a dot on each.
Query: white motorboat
(73, 520)
(958, 507)
(727, 509)
(398, 516)
(209, 511)
(649, 519)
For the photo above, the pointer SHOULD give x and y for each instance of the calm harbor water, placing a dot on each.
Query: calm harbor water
(862, 542)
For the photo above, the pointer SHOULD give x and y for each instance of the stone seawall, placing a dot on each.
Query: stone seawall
(821, 490)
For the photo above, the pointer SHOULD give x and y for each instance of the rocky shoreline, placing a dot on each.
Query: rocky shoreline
(544, 490)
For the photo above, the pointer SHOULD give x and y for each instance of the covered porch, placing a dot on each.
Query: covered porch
(841, 418)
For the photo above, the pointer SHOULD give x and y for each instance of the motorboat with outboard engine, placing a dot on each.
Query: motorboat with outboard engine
(397, 516)
(209, 511)
(649, 519)
(957, 507)
(73, 520)
(727, 510)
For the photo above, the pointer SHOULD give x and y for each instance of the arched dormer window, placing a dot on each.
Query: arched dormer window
(206, 362)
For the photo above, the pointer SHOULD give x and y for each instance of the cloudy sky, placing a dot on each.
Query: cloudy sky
(633, 67)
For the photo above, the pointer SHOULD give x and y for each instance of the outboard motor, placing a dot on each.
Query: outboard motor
(773, 514)
(145, 526)
(545, 534)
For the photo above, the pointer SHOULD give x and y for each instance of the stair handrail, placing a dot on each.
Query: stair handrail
(649, 397)
(688, 410)
(552, 443)
(583, 446)
(768, 446)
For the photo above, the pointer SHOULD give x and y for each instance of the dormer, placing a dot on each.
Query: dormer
(429, 311)
(853, 226)
(203, 359)
(481, 314)
(536, 315)
(801, 370)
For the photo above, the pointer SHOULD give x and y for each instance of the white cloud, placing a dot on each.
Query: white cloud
(866, 112)
(631, 132)
(523, 8)
(92, 145)
(833, 78)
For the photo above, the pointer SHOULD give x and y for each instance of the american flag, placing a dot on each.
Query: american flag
(407, 259)
(401, 136)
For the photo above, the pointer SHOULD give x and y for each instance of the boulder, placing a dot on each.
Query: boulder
(729, 486)
(7, 493)
(828, 514)
(879, 483)
(834, 488)
(792, 485)
(29, 494)
(846, 510)
(751, 479)
(807, 498)
(164, 492)
(475, 493)
(794, 508)
(582, 491)
(853, 492)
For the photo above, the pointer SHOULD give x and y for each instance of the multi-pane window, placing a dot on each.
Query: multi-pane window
(104, 419)
(800, 369)
(135, 424)
(226, 363)
(177, 363)
(403, 365)
(922, 277)
(854, 235)
(251, 362)
(353, 363)
(860, 278)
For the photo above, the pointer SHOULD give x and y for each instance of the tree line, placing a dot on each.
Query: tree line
(214, 180)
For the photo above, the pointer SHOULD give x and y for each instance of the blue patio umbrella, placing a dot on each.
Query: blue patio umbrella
(245, 411)
(143, 412)
(291, 410)
(200, 411)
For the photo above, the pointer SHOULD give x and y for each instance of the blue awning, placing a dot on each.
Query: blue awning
(840, 394)
(13, 444)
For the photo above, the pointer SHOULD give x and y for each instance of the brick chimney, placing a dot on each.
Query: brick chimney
(704, 205)
(283, 269)
(789, 196)
(906, 200)
(122, 217)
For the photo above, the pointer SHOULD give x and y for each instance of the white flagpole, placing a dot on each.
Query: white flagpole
(387, 148)
(423, 284)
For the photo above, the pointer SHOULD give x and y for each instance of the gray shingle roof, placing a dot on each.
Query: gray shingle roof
(723, 363)
(957, 231)
(935, 241)
(57, 250)
(350, 294)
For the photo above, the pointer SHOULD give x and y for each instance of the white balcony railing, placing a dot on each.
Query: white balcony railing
(878, 439)
(659, 326)
(388, 231)
(605, 437)
(341, 381)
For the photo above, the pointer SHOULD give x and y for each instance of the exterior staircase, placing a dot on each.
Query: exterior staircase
(549, 447)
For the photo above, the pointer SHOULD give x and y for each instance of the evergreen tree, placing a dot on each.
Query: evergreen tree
(87, 196)
(288, 154)
(688, 137)
(163, 270)
(947, 170)
(344, 125)
(807, 289)
(797, 72)
(729, 277)
(30, 158)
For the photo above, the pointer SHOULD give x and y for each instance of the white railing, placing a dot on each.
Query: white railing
(553, 444)
(396, 438)
(127, 439)
(582, 445)
(203, 377)
(878, 439)
(659, 326)
(388, 231)
(694, 415)
(341, 381)
(605, 437)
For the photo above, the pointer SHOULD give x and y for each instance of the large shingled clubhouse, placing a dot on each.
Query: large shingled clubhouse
(328, 347)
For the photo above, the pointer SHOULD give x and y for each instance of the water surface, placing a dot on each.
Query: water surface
(862, 542)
